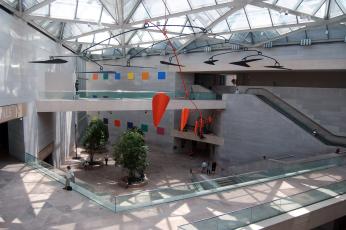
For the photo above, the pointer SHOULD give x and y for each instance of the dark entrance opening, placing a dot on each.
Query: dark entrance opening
(4, 150)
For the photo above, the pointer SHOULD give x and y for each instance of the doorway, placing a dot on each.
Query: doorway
(4, 147)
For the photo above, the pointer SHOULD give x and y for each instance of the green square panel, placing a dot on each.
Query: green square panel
(144, 128)
(105, 76)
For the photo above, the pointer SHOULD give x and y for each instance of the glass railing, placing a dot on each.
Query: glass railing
(247, 216)
(174, 193)
(79, 186)
(189, 190)
(119, 94)
(297, 117)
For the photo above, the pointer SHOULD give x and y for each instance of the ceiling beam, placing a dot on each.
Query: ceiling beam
(37, 6)
(280, 8)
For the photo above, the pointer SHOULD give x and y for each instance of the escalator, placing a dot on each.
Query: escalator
(298, 117)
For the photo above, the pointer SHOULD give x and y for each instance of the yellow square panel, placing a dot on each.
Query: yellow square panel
(130, 76)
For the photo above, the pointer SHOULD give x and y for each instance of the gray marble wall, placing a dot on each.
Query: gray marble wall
(252, 129)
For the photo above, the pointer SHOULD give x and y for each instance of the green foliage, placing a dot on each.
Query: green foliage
(95, 137)
(131, 152)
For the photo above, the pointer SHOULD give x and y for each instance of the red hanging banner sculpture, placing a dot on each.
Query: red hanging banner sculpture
(159, 105)
(184, 117)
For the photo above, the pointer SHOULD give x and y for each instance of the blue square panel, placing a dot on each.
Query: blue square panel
(117, 76)
(161, 75)
(129, 125)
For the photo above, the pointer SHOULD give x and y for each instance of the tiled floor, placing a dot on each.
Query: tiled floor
(105, 179)
(29, 200)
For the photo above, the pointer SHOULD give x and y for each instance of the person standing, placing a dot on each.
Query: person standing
(209, 168)
(204, 166)
(69, 176)
(213, 166)
(106, 159)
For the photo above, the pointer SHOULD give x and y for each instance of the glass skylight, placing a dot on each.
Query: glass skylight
(86, 22)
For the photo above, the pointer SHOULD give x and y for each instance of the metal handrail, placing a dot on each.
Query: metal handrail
(298, 117)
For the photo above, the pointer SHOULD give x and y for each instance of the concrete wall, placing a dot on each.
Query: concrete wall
(252, 129)
(21, 81)
(136, 117)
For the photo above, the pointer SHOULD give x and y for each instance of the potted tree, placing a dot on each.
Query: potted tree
(95, 137)
(131, 153)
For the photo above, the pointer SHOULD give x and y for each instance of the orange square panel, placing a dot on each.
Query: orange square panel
(95, 76)
(145, 76)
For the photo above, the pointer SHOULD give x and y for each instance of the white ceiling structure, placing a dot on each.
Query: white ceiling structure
(79, 24)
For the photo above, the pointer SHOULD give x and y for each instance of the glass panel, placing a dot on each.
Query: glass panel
(221, 27)
(155, 8)
(309, 6)
(200, 3)
(238, 21)
(322, 11)
(106, 17)
(258, 17)
(89, 10)
(140, 13)
(87, 39)
(102, 36)
(342, 4)
(43, 11)
(334, 10)
(177, 6)
(282, 19)
(290, 4)
(30, 3)
(63, 9)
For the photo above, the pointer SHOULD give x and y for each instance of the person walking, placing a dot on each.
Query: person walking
(69, 176)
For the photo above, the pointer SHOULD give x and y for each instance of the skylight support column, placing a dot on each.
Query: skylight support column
(327, 13)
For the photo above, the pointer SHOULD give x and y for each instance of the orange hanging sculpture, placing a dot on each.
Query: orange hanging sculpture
(159, 105)
(184, 117)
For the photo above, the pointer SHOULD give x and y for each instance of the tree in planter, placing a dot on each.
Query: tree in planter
(95, 137)
(131, 153)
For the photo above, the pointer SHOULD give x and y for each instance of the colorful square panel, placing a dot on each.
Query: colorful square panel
(117, 76)
(129, 125)
(117, 123)
(130, 75)
(95, 76)
(105, 76)
(160, 131)
(145, 76)
(144, 128)
(105, 121)
(161, 75)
